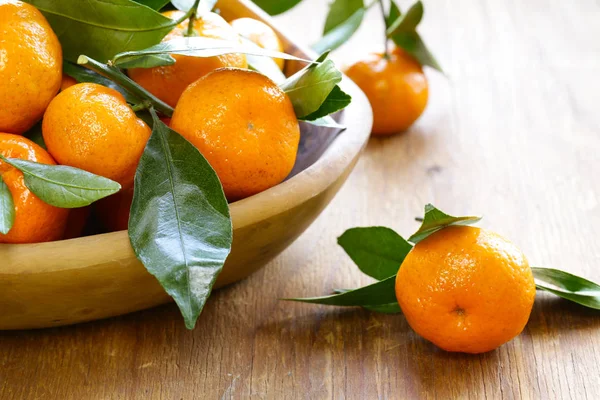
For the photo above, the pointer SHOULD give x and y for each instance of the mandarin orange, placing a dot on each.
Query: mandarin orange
(168, 82)
(35, 221)
(261, 34)
(466, 289)
(30, 66)
(244, 125)
(396, 87)
(91, 127)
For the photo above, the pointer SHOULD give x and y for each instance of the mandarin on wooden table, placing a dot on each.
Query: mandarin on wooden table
(396, 87)
(30, 66)
(466, 289)
(35, 221)
(168, 82)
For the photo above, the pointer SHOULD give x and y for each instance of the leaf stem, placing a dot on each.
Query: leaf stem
(141, 106)
(192, 18)
(386, 54)
(117, 76)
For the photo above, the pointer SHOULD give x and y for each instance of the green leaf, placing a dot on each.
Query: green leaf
(377, 251)
(63, 186)
(153, 4)
(409, 21)
(82, 74)
(568, 286)
(376, 294)
(7, 208)
(435, 220)
(35, 135)
(340, 11)
(180, 227)
(276, 7)
(412, 43)
(390, 308)
(336, 100)
(393, 14)
(191, 46)
(309, 88)
(403, 32)
(102, 28)
(337, 36)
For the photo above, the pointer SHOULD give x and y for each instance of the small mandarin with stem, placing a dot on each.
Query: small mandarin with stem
(396, 87)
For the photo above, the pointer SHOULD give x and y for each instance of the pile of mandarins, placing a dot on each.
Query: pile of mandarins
(240, 120)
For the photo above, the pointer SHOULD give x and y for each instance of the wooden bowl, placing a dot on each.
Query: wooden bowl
(94, 277)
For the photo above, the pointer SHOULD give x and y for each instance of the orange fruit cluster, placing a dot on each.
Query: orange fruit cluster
(251, 142)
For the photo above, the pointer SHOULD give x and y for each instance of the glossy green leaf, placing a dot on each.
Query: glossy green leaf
(180, 227)
(340, 11)
(376, 294)
(407, 22)
(393, 14)
(435, 220)
(191, 46)
(35, 135)
(403, 32)
(103, 28)
(309, 88)
(63, 186)
(412, 43)
(7, 208)
(336, 100)
(276, 7)
(568, 286)
(377, 251)
(81, 74)
(153, 4)
(340, 34)
(390, 308)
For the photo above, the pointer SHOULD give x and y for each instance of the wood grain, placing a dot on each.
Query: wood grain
(512, 134)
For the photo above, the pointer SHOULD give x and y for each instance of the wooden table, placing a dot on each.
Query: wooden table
(513, 133)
